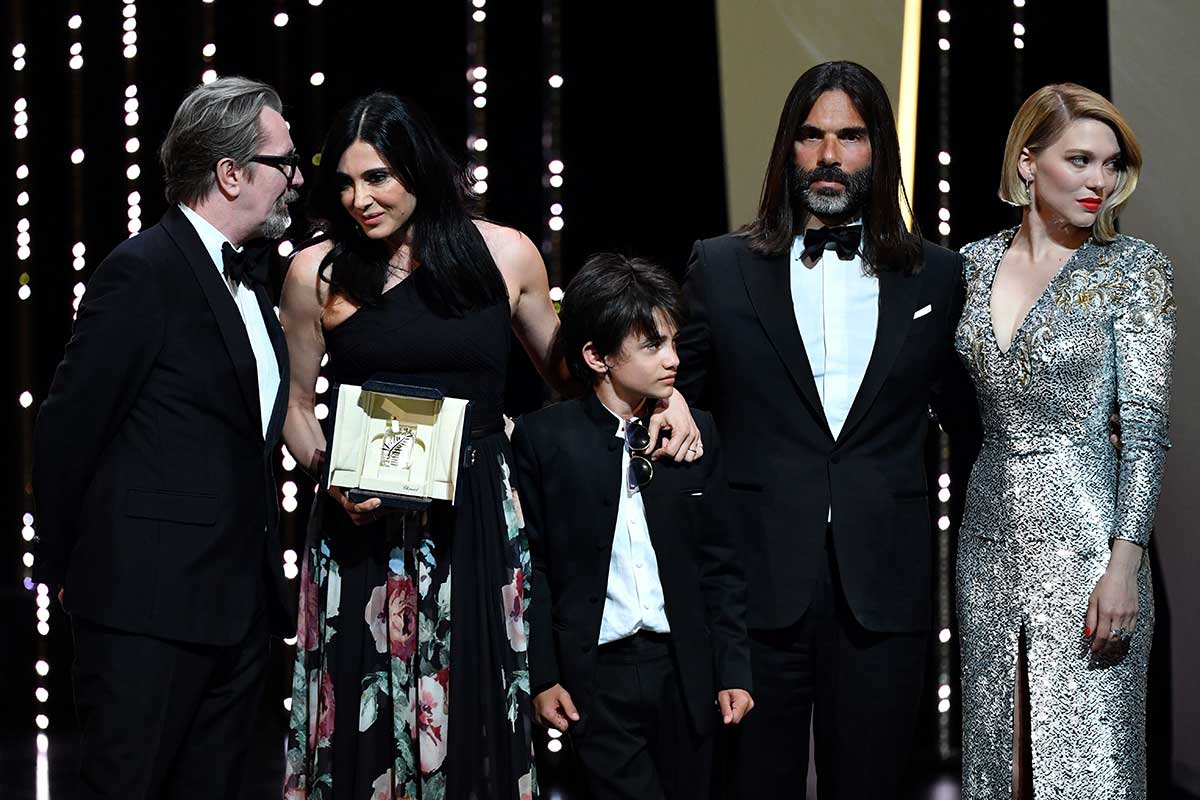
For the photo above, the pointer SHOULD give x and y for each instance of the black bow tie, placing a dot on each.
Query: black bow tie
(845, 239)
(247, 267)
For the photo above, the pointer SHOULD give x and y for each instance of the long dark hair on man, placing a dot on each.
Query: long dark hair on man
(887, 243)
(455, 273)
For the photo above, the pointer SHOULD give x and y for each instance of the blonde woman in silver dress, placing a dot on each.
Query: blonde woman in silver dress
(1066, 322)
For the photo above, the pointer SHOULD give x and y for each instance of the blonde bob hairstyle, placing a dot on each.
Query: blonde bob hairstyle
(1038, 124)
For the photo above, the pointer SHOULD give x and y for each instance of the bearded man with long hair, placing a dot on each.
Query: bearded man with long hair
(819, 336)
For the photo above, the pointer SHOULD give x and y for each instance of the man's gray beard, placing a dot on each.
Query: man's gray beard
(849, 201)
(826, 205)
(280, 219)
(276, 225)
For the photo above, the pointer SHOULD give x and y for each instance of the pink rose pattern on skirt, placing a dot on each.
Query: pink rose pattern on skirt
(406, 688)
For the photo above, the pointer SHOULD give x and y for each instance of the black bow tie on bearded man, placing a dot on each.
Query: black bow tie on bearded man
(844, 238)
(247, 266)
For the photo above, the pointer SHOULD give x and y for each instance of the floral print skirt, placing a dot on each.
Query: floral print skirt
(411, 677)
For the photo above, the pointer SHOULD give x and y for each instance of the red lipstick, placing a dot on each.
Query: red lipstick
(1090, 203)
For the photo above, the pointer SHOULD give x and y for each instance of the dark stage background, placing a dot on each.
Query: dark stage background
(636, 124)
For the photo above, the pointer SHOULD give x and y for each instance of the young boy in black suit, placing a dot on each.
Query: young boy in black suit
(637, 643)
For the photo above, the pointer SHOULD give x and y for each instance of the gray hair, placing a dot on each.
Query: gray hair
(216, 120)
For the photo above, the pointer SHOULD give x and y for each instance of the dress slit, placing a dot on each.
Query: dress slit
(1022, 767)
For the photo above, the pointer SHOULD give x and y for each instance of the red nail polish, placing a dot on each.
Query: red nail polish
(1087, 631)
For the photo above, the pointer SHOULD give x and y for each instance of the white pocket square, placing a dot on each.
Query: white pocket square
(922, 312)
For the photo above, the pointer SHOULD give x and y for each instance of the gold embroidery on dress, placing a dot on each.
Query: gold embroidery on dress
(1030, 349)
(1091, 289)
(1160, 298)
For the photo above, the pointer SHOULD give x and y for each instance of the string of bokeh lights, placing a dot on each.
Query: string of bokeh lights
(477, 100)
(131, 108)
(1018, 30)
(944, 601)
(24, 253)
(552, 183)
(552, 178)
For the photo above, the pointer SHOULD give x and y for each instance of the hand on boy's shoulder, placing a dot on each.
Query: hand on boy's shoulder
(673, 425)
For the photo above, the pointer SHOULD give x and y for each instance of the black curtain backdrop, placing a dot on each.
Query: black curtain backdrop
(988, 80)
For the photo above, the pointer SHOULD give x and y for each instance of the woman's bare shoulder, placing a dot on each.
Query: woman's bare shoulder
(512, 250)
(306, 262)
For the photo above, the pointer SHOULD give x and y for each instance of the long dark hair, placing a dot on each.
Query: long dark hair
(456, 272)
(887, 244)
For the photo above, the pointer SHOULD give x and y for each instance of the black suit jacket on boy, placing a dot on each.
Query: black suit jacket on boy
(568, 461)
(152, 478)
(743, 358)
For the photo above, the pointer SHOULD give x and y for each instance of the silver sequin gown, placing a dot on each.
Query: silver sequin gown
(1045, 498)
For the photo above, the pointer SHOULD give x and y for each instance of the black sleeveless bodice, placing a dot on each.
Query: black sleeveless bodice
(401, 339)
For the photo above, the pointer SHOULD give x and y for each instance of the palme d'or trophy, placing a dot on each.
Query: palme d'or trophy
(398, 450)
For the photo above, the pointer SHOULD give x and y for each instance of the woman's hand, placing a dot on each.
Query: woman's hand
(1114, 602)
(683, 442)
(363, 513)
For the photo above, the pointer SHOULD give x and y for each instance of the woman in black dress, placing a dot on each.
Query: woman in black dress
(404, 687)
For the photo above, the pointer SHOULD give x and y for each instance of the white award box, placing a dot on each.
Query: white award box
(406, 445)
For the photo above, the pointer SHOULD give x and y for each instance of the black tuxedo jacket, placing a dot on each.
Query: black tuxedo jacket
(569, 477)
(152, 480)
(742, 357)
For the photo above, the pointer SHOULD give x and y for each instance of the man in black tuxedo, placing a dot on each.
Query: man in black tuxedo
(153, 464)
(637, 643)
(819, 336)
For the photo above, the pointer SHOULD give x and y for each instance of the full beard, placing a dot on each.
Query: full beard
(827, 202)
(280, 219)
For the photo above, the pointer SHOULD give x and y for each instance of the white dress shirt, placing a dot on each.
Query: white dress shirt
(247, 304)
(837, 311)
(634, 599)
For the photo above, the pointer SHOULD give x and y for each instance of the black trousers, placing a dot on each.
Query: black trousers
(639, 742)
(164, 719)
(860, 689)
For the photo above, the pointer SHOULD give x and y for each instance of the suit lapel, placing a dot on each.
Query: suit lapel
(897, 301)
(229, 321)
(279, 345)
(768, 282)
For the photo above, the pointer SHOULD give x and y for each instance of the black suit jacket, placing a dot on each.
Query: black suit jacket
(568, 472)
(152, 480)
(742, 357)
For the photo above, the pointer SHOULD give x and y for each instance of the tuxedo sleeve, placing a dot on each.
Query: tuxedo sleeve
(692, 342)
(543, 663)
(722, 579)
(953, 395)
(117, 334)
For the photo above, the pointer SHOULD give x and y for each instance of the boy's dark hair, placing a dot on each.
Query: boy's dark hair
(611, 297)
